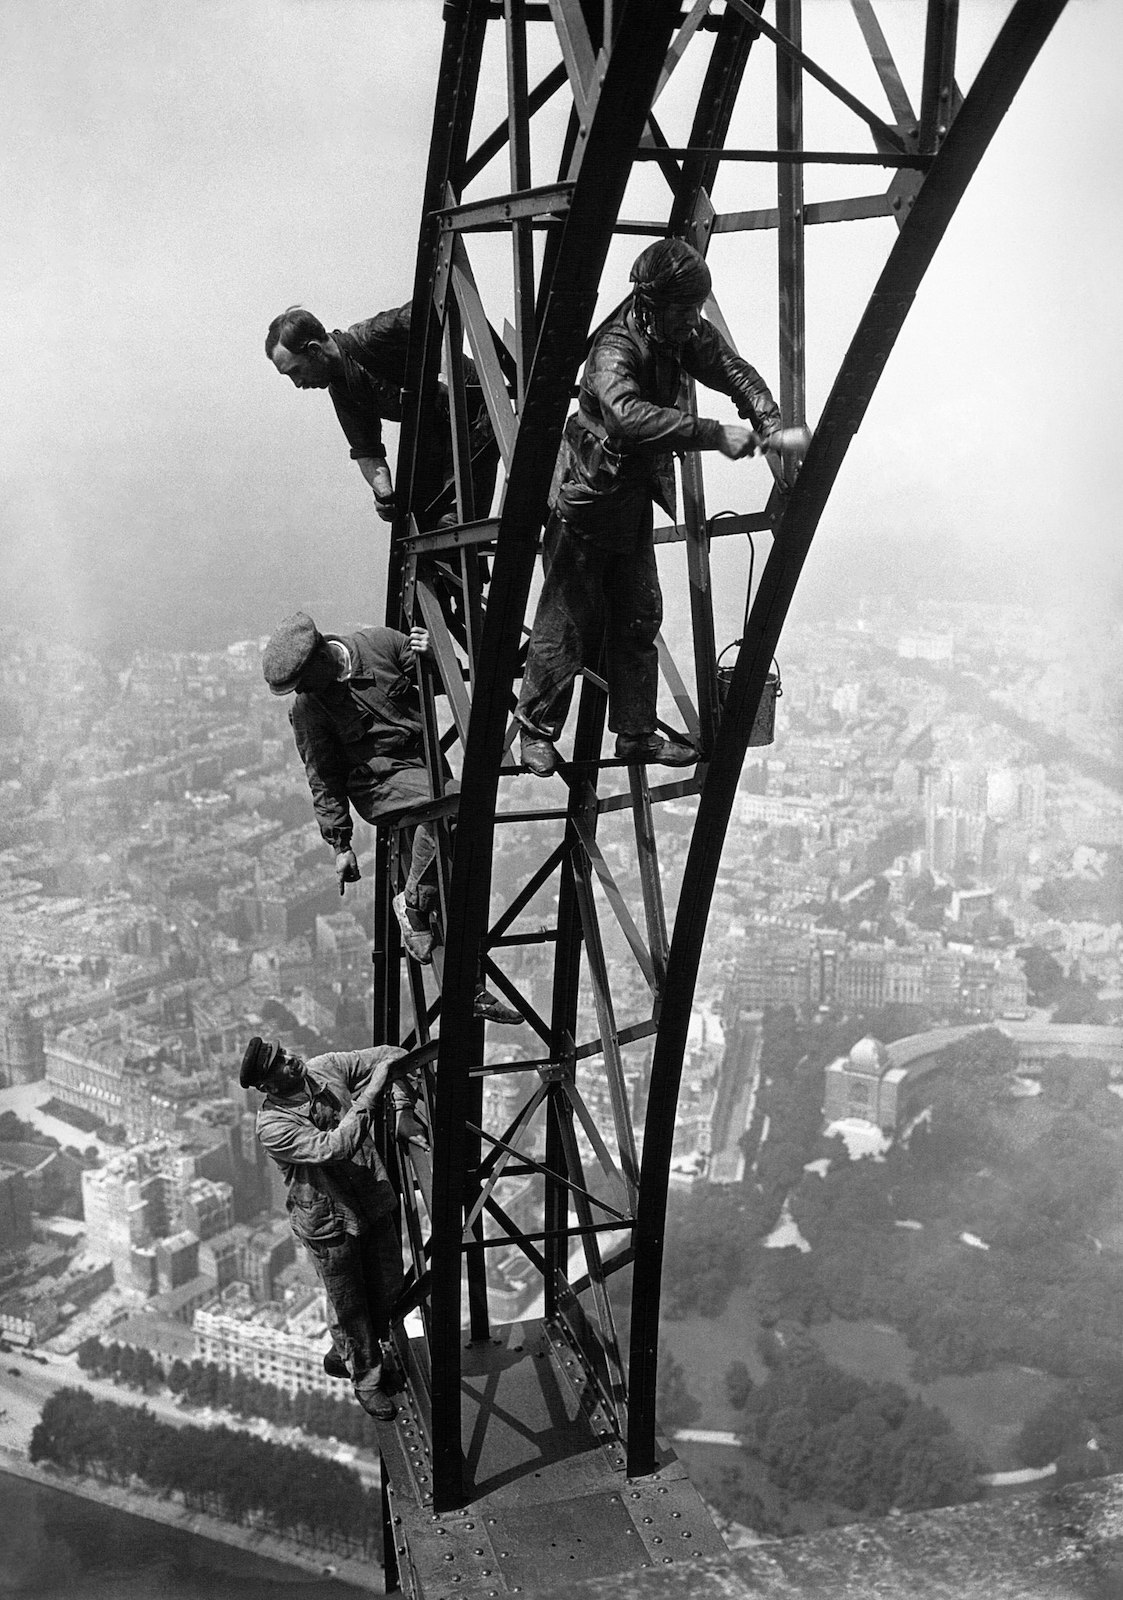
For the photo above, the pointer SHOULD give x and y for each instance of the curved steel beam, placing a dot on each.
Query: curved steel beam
(1013, 53)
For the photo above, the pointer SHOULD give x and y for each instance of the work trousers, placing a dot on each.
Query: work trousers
(362, 1276)
(422, 854)
(597, 587)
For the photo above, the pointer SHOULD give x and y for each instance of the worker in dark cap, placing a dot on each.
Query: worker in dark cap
(316, 1123)
(356, 717)
(601, 578)
(363, 369)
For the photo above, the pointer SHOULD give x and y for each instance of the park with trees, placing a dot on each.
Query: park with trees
(985, 1237)
(280, 1490)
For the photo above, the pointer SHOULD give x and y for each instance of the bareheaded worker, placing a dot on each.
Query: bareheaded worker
(363, 369)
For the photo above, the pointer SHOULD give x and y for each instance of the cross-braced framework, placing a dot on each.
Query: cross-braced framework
(558, 1153)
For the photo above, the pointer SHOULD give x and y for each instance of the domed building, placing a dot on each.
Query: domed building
(889, 1085)
(853, 1084)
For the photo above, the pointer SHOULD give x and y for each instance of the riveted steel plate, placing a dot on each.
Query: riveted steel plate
(568, 1539)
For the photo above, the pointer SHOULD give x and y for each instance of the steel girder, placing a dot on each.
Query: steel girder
(597, 1172)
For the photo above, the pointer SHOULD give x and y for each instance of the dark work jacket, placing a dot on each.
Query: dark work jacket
(361, 740)
(374, 364)
(335, 1182)
(618, 450)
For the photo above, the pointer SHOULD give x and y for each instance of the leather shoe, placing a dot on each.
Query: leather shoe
(537, 755)
(417, 936)
(334, 1364)
(492, 1009)
(377, 1404)
(653, 749)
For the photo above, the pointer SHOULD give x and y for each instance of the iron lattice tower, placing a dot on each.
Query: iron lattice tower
(497, 1425)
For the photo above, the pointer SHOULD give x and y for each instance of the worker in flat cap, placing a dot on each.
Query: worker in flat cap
(356, 718)
(315, 1121)
(601, 579)
(363, 369)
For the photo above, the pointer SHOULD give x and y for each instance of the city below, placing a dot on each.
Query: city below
(935, 836)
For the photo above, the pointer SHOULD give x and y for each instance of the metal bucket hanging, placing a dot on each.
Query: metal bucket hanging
(764, 723)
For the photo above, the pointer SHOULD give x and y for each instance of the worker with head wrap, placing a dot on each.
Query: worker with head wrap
(601, 580)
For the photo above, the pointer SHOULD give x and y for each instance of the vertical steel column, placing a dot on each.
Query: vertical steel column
(518, 144)
(475, 1256)
(651, 883)
(461, 52)
(563, 1013)
(789, 200)
(386, 997)
(691, 216)
(701, 595)
(939, 74)
(391, 1576)
(458, 415)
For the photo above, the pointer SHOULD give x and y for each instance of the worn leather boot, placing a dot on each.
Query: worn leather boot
(492, 1009)
(537, 755)
(376, 1403)
(334, 1364)
(652, 749)
(417, 936)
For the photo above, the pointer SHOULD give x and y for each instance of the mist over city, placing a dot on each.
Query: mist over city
(161, 487)
(894, 1245)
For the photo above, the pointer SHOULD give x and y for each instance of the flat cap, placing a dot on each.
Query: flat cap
(286, 654)
(256, 1061)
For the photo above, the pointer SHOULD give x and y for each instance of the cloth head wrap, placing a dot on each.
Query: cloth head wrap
(670, 272)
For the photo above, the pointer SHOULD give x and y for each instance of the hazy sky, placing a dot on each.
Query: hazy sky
(173, 176)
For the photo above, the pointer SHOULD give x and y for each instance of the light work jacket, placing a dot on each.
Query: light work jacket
(335, 1182)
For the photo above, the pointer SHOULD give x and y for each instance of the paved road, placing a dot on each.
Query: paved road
(736, 1100)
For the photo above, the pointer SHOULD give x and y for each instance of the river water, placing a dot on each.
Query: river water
(55, 1545)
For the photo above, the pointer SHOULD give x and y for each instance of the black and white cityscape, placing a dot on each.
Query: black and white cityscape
(893, 1266)
(913, 966)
